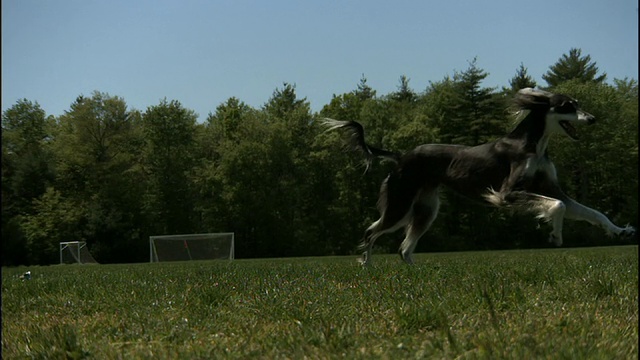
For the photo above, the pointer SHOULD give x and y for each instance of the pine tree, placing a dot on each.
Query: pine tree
(284, 101)
(573, 67)
(364, 91)
(404, 93)
(475, 108)
(521, 80)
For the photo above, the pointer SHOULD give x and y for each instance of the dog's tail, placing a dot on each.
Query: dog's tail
(357, 141)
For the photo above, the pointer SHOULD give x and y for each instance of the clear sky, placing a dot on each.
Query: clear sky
(201, 53)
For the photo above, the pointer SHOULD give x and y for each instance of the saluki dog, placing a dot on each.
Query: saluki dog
(513, 171)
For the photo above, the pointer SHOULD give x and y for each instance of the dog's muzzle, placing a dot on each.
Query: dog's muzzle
(590, 119)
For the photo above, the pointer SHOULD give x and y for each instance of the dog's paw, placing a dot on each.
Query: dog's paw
(555, 240)
(363, 261)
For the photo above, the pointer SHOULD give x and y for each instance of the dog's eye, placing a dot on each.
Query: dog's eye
(565, 107)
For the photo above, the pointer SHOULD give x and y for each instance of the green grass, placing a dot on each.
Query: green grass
(560, 304)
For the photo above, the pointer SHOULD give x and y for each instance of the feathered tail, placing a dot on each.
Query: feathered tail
(357, 141)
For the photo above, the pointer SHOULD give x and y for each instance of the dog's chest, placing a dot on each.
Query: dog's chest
(537, 165)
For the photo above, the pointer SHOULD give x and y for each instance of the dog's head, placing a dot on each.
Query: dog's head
(561, 111)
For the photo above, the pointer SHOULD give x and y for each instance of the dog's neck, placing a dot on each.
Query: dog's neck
(541, 146)
(531, 130)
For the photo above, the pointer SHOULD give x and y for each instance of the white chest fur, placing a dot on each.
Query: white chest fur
(540, 164)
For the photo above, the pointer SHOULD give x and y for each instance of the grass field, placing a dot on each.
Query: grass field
(556, 303)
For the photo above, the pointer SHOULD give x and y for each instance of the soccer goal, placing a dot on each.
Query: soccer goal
(75, 252)
(191, 247)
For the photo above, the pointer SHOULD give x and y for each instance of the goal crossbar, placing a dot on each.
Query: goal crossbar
(185, 247)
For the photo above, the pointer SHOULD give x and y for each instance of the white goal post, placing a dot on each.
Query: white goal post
(75, 252)
(188, 247)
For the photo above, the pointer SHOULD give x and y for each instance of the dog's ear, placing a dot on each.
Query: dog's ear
(531, 99)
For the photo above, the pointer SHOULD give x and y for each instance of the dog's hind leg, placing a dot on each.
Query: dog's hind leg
(424, 212)
(384, 225)
(395, 205)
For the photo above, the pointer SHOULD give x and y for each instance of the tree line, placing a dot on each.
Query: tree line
(113, 176)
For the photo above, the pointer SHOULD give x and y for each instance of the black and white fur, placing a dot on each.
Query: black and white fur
(514, 171)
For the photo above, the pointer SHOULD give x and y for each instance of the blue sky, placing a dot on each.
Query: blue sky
(203, 52)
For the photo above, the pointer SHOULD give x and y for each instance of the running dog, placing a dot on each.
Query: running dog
(513, 171)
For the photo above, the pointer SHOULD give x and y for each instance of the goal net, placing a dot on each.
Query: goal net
(75, 252)
(191, 247)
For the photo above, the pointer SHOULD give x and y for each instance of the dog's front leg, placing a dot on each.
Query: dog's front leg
(550, 209)
(577, 211)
